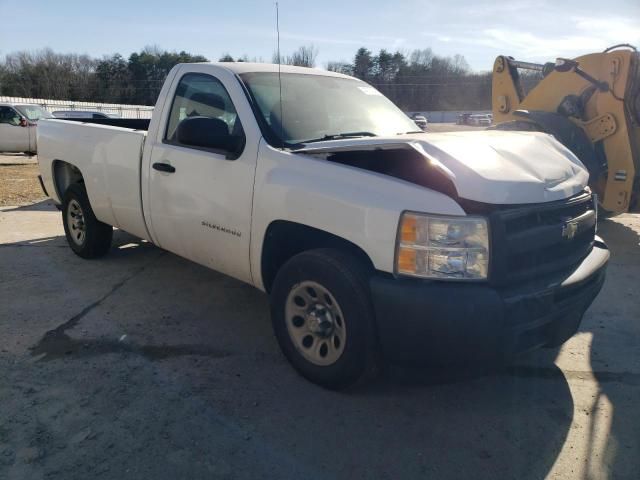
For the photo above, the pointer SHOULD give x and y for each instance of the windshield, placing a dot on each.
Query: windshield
(33, 112)
(317, 107)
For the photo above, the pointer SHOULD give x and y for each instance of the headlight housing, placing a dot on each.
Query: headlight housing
(439, 247)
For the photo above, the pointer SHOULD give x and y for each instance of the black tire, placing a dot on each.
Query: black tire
(96, 241)
(347, 280)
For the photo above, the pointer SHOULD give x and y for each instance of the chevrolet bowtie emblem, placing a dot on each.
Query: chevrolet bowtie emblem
(569, 230)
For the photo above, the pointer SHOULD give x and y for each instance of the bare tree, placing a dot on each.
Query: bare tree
(340, 67)
(304, 56)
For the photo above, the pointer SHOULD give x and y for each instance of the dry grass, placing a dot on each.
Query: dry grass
(19, 184)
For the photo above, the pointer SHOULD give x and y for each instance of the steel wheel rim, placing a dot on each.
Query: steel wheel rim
(315, 323)
(75, 222)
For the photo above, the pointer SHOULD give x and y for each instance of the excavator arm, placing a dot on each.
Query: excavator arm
(591, 104)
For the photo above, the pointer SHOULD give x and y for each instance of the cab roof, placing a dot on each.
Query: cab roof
(248, 67)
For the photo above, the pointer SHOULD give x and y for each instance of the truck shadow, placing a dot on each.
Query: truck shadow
(207, 339)
(41, 206)
(615, 357)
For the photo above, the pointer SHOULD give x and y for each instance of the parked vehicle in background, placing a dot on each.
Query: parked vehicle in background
(475, 119)
(479, 120)
(83, 114)
(420, 120)
(463, 119)
(18, 126)
(373, 241)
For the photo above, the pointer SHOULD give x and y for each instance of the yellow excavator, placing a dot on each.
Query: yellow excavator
(591, 104)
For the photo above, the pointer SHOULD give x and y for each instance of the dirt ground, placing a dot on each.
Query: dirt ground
(19, 181)
(143, 365)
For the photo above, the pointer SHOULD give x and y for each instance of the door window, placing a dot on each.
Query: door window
(9, 116)
(204, 97)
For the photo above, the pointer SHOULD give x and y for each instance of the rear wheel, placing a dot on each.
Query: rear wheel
(87, 236)
(323, 318)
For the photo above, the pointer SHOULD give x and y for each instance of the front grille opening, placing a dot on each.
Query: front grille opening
(517, 233)
(564, 254)
(542, 218)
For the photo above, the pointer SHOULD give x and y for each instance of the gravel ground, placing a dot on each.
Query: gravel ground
(144, 365)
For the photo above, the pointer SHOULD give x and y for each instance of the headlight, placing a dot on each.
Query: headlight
(442, 247)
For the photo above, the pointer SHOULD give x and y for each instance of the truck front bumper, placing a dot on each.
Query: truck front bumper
(455, 322)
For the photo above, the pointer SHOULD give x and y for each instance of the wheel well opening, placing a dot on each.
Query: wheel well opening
(284, 240)
(65, 174)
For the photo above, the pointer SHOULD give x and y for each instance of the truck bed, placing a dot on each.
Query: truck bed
(108, 156)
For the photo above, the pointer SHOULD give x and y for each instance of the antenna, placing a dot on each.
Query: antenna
(279, 76)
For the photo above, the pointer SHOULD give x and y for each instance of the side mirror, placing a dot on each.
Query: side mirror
(565, 65)
(205, 132)
(23, 122)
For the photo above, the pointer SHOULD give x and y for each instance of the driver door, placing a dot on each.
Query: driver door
(13, 137)
(201, 198)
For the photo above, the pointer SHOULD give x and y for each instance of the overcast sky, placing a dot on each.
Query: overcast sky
(478, 29)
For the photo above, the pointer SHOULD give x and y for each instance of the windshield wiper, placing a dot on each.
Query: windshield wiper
(336, 136)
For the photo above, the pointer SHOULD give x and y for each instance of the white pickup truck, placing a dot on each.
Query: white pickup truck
(374, 241)
(18, 126)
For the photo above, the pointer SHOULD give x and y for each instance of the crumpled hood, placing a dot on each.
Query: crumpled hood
(488, 166)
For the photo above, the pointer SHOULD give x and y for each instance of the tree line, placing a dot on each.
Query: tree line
(416, 80)
(421, 80)
(113, 79)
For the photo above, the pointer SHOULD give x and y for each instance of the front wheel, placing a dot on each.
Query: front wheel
(323, 317)
(87, 236)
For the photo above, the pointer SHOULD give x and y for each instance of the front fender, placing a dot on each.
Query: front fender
(359, 206)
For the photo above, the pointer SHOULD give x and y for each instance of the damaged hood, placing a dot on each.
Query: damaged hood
(488, 166)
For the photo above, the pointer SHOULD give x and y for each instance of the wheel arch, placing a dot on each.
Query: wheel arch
(284, 239)
(65, 174)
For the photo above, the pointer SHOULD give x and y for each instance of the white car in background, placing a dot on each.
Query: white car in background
(83, 114)
(480, 120)
(18, 126)
(420, 120)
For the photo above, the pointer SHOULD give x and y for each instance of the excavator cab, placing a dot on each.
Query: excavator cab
(591, 104)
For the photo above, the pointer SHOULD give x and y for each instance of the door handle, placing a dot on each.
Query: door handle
(164, 167)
